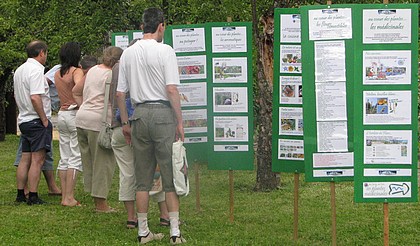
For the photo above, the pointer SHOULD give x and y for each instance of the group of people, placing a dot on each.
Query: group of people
(144, 112)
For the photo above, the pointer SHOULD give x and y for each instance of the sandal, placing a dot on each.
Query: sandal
(132, 224)
(164, 222)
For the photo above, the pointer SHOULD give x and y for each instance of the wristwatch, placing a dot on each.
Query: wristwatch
(125, 123)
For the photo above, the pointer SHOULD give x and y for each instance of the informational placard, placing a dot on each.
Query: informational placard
(192, 67)
(287, 137)
(134, 34)
(330, 23)
(230, 96)
(120, 39)
(189, 39)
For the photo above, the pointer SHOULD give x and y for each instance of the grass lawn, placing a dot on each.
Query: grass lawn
(259, 218)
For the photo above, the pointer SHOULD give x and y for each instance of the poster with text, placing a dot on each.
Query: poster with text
(387, 190)
(138, 35)
(188, 40)
(192, 140)
(193, 94)
(231, 148)
(330, 24)
(230, 99)
(290, 59)
(192, 67)
(229, 39)
(291, 121)
(333, 173)
(121, 41)
(387, 146)
(387, 172)
(332, 136)
(290, 28)
(386, 67)
(386, 26)
(230, 129)
(387, 107)
(230, 70)
(290, 149)
(195, 121)
(291, 89)
(333, 160)
(331, 102)
(330, 61)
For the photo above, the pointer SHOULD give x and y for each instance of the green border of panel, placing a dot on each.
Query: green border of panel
(115, 34)
(358, 109)
(230, 160)
(295, 166)
(196, 152)
(131, 34)
(309, 105)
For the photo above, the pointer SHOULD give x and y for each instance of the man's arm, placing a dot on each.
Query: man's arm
(124, 116)
(173, 95)
(38, 106)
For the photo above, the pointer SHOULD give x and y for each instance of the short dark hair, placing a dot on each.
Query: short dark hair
(88, 62)
(35, 47)
(70, 54)
(152, 17)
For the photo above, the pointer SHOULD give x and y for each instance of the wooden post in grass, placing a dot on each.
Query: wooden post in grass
(231, 195)
(296, 207)
(386, 224)
(333, 215)
(197, 186)
(329, 2)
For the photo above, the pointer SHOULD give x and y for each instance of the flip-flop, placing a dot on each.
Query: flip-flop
(132, 224)
(164, 222)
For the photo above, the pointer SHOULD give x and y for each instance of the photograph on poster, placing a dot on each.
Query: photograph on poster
(332, 136)
(328, 160)
(230, 129)
(193, 94)
(290, 28)
(331, 104)
(191, 140)
(230, 70)
(188, 40)
(290, 149)
(194, 121)
(386, 172)
(387, 146)
(329, 173)
(229, 39)
(387, 189)
(382, 67)
(230, 99)
(330, 24)
(290, 89)
(121, 41)
(330, 61)
(291, 121)
(387, 107)
(191, 67)
(230, 148)
(386, 26)
(290, 59)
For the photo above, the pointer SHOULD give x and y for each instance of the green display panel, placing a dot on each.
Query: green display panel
(385, 111)
(287, 138)
(229, 96)
(328, 82)
(120, 39)
(133, 34)
(189, 43)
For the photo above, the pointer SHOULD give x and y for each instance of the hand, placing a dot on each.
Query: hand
(179, 132)
(126, 129)
(45, 122)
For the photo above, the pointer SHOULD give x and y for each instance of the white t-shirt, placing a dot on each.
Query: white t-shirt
(146, 68)
(29, 80)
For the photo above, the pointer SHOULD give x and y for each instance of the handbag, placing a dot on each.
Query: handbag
(180, 169)
(105, 134)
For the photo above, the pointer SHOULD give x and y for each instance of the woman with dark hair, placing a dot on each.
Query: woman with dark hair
(98, 163)
(70, 162)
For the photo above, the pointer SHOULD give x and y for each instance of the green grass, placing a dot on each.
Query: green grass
(259, 218)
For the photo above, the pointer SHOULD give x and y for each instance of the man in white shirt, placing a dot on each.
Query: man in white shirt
(149, 72)
(32, 98)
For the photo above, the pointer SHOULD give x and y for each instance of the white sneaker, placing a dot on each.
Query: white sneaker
(150, 237)
(177, 240)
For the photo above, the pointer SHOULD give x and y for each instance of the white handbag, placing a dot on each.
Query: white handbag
(180, 169)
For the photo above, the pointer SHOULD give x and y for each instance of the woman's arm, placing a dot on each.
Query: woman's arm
(79, 81)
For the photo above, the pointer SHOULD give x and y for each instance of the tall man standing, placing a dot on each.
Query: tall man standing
(32, 98)
(149, 72)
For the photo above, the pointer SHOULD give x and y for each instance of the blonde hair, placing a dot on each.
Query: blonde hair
(111, 55)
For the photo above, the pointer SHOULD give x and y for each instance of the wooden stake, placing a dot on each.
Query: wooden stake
(197, 186)
(386, 224)
(333, 215)
(231, 194)
(329, 2)
(296, 207)
(385, 1)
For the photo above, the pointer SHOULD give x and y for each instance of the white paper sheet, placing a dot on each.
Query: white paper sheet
(229, 39)
(290, 89)
(331, 104)
(330, 61)
(330, 24)
(192, 67)
(189, 40)
(228, 129)
(193, 94)
(194, 121)
(230, 99)
(230, 70)
(290, 59)
(291, 121)
(290, 149)
(290, 28)
(332, 136)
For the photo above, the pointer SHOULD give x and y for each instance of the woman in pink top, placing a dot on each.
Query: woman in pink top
(98, 163)
(70, 162)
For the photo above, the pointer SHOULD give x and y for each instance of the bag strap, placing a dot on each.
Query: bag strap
(107, 86)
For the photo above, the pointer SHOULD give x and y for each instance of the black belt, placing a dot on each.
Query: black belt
(167, 103)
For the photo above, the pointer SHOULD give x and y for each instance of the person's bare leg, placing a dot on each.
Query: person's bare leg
(68, 192)
(50, 179)
(131, 211)
(22, 170)
(163, 209)
(101, 205)
(37, 160)
(63, 181)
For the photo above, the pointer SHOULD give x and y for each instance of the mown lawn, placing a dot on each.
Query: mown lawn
(259, 218)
